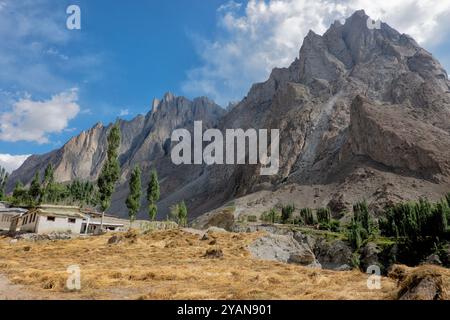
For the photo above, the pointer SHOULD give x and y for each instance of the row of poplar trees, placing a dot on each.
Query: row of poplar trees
(110, 175)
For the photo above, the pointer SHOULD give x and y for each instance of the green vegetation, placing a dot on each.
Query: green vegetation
(3, 180)
(111, 169)
(286, 213)
(307, 217)
(133, 201)
(35, 189)
(361, 226)
(271, 216)
(416, 221)
(179, 213)
(324, 215)
(153, 195)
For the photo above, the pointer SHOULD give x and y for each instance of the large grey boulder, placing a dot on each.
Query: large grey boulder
(283, 249)
(333, 255)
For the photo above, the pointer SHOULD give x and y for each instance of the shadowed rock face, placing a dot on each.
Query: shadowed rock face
(356, 100)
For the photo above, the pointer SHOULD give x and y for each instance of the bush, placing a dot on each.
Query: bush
(361, 214)
(333, 226)
(416, 220)
(356, 234)
(286, 213)
(307, 216)
(252, 219)
(324, 216)
(271, 216)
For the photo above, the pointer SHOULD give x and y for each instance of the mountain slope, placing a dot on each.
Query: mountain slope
(145, 141)
(363, 114)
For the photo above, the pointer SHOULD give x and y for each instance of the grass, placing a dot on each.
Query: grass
(171, 264)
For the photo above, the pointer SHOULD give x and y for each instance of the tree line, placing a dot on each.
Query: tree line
(87, 193)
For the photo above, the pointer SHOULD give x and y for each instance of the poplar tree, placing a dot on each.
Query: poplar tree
(49, 180)
(133, 201)
(153, 195)
(110, 171)
(35, 189)
(3, 180)
(182, 214)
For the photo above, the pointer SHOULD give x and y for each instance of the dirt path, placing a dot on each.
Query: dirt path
(9, 291)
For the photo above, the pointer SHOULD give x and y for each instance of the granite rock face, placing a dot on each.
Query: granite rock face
(362, 113)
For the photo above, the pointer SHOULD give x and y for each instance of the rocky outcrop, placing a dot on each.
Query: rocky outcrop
(392, 136)
(422, 283)
(284, 249)
(333, 255)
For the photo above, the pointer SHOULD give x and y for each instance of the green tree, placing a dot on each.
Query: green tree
(134, 198)
(173, 214)
(35, 189)
(273, 216)
(179, 213)
(307, 216)
(3, 180)
(182, 214)
(287, 212)
(153, 195)
(362, 215)
(49, 180)
(324, 216)
(111, 169)
(20, 196)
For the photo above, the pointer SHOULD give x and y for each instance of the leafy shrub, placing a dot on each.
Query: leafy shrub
(271, 216)
(356, 234)
(307, 216)
(252, 219)
(416, 220)
(286, 213)
(361, 214)
(324, 216)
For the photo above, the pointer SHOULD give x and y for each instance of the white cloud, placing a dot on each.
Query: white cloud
(30, 120)
(230, 5)
(10, 162)
(124, 112)
(269, 34)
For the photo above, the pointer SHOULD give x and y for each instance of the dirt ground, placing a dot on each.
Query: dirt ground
(169, 265)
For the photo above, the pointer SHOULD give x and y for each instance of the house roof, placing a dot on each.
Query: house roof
(19, 211)
(53, 210)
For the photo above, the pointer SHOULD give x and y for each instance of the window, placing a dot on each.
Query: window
(51, 219)
(72, 220)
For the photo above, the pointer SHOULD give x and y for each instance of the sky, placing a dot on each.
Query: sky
(56, 82)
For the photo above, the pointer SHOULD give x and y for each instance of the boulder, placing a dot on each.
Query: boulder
(433, 259)
(370, 256)
(283, 248)
(335, 255)
(213, 253)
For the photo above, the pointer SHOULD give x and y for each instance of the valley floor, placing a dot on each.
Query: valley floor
(170, 264)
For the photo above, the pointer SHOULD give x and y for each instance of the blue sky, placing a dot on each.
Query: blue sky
(56, 82)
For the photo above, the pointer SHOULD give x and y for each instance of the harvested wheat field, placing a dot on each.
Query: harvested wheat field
(173, 264)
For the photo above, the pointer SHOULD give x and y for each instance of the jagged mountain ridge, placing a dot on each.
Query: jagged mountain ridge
(363, 114)
(145, 141)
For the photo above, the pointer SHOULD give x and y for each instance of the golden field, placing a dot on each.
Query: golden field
(172, 265)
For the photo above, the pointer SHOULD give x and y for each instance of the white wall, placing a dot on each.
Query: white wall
(5, 221)
(30, 226)
(61, 224)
